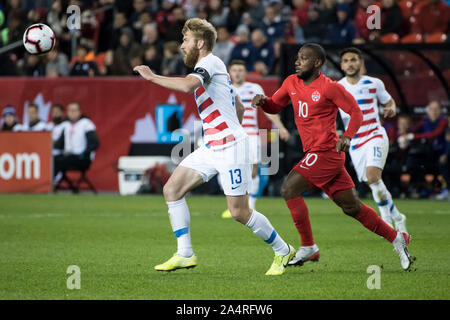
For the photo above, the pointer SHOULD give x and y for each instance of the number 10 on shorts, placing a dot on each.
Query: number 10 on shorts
(235, 176)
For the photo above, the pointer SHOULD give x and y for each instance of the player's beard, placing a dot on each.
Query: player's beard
(353, 74)
(305, 75)
(191, 57)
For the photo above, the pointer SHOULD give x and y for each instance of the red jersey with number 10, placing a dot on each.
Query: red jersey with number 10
(315, 109)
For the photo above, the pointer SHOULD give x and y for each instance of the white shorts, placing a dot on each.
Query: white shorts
(371, 154)
(255, 149)
(231, 163)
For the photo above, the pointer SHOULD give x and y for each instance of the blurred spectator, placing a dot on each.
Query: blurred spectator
(151, 37)
(57, 21)
(83, 66)
(152, 58)
(314, 30)
(217, 13)
(263, 51)
(9, 119)
(57, 63)
(79, 141)
(164, 16)
(243, 49)
(145, 18)
(140, 7)
(391, 20)
(361, 17)
(120, 22)
(33, 66)
(273, 26)
(276, 67)
(398, 158)
(444, 165)
(176, 25)
(344, 30)
(254, 15)
(234, 17)
(172, 63)
(328, 16)
(430, 136)
(433, 16)
(224, 46)
(391, 17)
(34, 123)
(56, 125)
(301, 11)
(15, 28)
(107, 68)
(126, 50)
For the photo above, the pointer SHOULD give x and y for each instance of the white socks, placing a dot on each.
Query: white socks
(180, 221)
(383, 198)
(261, 226)
(253, 190)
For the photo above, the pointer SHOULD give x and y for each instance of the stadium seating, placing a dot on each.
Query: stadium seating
(412, 38)
(390, 38)
(437, 37)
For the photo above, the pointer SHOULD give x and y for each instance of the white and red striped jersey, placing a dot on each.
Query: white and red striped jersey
(368, 92)
(246, 92)
(216, 103)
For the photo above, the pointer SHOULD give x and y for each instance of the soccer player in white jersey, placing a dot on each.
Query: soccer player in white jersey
(224, 151)
(370, 146)
(246, 91)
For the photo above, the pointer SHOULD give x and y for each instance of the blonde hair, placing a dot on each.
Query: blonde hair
(201, 30)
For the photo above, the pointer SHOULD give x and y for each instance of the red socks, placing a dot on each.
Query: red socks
(299, 213)
(367, 216)
(370, 219)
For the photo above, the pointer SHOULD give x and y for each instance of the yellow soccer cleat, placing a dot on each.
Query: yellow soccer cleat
(280, 263)
(226, 214)
(177, 262)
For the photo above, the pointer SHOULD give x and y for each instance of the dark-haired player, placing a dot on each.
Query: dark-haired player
(370, 146)
(316, 100)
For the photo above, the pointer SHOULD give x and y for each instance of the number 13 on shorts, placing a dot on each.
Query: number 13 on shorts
(236, 176)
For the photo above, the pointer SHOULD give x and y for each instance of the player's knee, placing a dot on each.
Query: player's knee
(286, 191)
(351, 208)
(171, 192)
(240, 214)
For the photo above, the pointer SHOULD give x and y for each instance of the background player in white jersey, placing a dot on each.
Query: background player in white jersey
(224, 152)
(246, 91)
(370, 146)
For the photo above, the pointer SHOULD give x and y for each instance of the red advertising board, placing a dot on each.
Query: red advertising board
(25, 162)
(122, 109)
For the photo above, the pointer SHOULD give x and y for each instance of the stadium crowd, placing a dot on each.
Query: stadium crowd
(117, 35)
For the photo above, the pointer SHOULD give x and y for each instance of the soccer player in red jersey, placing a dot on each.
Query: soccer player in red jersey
(316, 99)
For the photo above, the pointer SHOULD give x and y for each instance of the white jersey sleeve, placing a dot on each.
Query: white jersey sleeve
(382, 95)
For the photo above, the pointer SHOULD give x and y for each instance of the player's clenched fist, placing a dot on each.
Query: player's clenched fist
(145, 72)
(343, 144)
(258, 100)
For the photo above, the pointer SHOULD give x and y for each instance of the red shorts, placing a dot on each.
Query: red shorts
(325, 170)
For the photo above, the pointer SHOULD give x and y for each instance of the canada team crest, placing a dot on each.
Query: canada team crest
(315, 96)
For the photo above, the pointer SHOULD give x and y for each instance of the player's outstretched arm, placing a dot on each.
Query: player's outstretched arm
(267, 104)
(187, 84)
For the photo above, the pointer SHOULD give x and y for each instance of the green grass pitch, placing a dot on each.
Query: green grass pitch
(116, 241)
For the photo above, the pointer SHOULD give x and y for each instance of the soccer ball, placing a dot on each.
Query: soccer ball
(39, 39)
